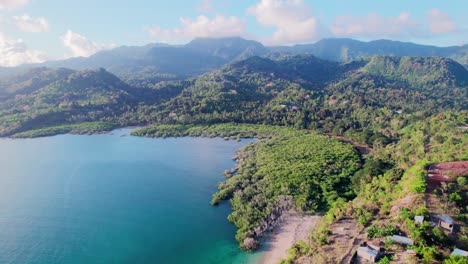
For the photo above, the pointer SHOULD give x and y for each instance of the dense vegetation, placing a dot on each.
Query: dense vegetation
(81, 128)
(27, 81)
(342, 49)
(308, 171)
(226, 130)
(391, 189)
(408, 112)
(357, 99)
(292, 169)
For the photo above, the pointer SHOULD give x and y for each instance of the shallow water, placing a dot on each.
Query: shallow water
(115, 199)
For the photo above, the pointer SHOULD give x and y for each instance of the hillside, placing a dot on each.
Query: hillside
(29, 80)
(301, 91)
(342, 49)
(308, 92)
(88, 95)
(419, 72)
(163, 62)
(166, 62)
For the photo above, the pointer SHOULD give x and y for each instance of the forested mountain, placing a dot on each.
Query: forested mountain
(305, 91)
(163, 62)
(166, 62)
(301, 91)
(403, 110)
(342, 49)
(229, 49)
(29, 80)
(82, 96)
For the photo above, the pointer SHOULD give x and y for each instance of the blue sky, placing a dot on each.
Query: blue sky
(37, 30)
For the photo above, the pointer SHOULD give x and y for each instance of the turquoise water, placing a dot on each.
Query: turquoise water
(115, 199)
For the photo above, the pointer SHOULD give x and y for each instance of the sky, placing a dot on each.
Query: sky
(39, 30)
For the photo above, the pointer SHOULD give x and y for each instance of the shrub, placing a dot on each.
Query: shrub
(381, 231)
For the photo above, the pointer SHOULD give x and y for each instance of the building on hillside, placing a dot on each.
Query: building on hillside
(459, 252)
(402, 240)
(369, 252)
(419, 219)
(446, 222)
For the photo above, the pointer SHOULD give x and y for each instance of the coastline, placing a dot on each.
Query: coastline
(293, 228)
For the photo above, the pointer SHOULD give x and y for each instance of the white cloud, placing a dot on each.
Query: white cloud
(31, 24)
(293, 20)
(201, 26)
(14, 52)
(440, 22)
(12, 3)
(376, 26)
(80, 46)
(206, 6)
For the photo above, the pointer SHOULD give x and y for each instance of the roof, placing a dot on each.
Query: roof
(459, 252)
(368, 251)
(445, 218)
(419, 218)
(403, 240)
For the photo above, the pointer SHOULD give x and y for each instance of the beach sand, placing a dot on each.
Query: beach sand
(294, 227)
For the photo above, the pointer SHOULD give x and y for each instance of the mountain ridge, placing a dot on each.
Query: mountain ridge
(167, 62)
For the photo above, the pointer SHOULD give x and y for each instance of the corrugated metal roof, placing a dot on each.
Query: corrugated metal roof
(445, 218)
(403, 240)
(367, 250)
(459, 252)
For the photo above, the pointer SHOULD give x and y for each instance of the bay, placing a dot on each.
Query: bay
(115, 198)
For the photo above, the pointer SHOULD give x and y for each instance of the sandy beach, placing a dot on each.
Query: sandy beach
(295, 227)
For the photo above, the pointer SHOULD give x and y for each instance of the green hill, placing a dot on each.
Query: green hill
(301, 91)
(29, 80)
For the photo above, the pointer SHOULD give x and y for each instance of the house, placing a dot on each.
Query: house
(402, 240)
(369, 252)
(419, 219)
(446, 222)
(459, 252)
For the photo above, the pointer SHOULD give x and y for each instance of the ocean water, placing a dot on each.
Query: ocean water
(115, 199)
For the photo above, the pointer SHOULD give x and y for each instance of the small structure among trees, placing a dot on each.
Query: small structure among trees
(369, 252)
(402, 240)
(446, 222)
(419, 219)
(459, 252)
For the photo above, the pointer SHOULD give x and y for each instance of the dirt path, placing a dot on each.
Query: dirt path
(348, 256)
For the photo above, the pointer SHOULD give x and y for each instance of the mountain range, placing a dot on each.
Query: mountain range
(169, 62)
(288, 90)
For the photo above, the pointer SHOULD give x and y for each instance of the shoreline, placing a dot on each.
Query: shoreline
(293, 228)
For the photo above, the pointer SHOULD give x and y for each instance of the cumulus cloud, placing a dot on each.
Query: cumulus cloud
(31, 24)
(14, 52)
(293, 20)
(201, 26)
(12, 3)
(440, 22)
(80, 46)
(376, 26)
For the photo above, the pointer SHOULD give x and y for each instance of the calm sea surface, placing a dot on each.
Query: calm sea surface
(115, 199)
